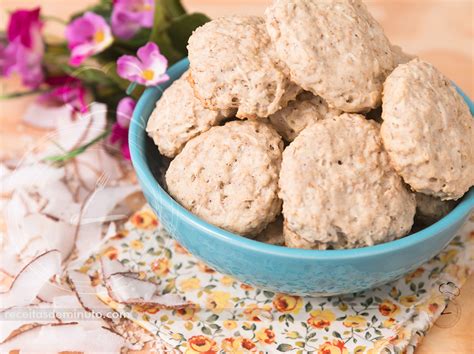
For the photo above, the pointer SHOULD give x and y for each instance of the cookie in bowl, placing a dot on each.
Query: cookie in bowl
(428, 131)
(306, 109)
(333, 48)
(228, 176)
(338, 189)
(233, 65)
(179, 116)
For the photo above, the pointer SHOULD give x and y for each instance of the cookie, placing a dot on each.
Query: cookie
(233, 65)
(430, 209)
(179, 117)
(428, 131)
(333, 48)
(228, 176)
(300, 113)
(273, 234)
(338, 188)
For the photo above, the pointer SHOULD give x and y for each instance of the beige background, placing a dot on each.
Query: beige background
(440, 31)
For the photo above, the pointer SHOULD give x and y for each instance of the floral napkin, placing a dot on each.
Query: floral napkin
(232, 317)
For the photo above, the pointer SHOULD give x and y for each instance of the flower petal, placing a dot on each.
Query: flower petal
(130, 68)
(125, 111)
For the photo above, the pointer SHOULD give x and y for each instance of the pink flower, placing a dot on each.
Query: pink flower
(128, 16)
(87, 35)
(148, 69)
(119, 134)
(25, 50)
(66, 90)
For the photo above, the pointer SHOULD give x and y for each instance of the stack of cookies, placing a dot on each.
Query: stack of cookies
(308, 128)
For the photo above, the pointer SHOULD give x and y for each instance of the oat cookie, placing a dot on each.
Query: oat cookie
(233, 65)
(428, 131)
(300, 113)
(430, 209)
(338, 188)
(178, 117)
(229, 176)
(333, 48)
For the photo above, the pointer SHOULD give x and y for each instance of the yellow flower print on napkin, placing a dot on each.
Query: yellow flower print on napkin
(287, 303)
(321, 318)
(227, 281)
(230, 324)
(190, 284)
(217, 301)
(408, 300)
(201, 345)
(136, 245)
(335, 347)
(188, 313)
(355, 322)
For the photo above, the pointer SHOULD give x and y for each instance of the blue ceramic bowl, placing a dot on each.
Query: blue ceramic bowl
(275, 268)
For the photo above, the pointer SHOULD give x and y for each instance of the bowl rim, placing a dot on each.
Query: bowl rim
(137, 140)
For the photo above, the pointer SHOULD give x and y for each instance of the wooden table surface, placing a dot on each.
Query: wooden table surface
(440, 31)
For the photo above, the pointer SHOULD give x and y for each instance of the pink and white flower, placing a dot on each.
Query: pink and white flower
(87, 35)
(119, 134)
(129, 16)
(148, 68)
(25, 49)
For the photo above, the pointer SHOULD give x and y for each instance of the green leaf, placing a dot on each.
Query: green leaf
(336, 334)
(284, 348)
(206, 330)
(268, 294)
(182, 27)
(73, 153)
(308, 307)
(212, 318)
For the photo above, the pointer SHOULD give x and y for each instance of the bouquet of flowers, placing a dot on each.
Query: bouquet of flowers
(110, 53)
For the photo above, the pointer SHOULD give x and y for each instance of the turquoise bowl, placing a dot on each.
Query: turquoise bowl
(275, 268)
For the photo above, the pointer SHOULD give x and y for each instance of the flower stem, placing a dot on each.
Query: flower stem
(54, 19)
(131, 88)
(75, 152)
(22, 94)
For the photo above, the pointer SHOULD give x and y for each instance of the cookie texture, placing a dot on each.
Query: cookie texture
(338, 188)
(333, 48)
(430, 209)
(229, 176)
(178, 117)
(233, 65)
(428, 131)
(305, 110)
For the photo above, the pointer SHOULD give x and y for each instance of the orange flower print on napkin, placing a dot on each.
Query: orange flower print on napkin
(110, 252)
(238, 345)
(334, 347)
(287, 303)
(321, 318)
(388, 308)
(256, 314)
(201, 345)
(144, 219)
(161, 266)
(265, 335)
